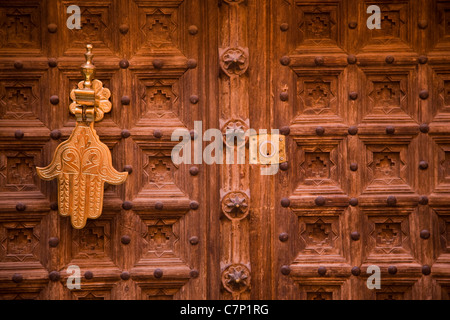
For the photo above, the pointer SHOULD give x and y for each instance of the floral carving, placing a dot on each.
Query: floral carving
(234, 61)
(236, 278)
(235, 205)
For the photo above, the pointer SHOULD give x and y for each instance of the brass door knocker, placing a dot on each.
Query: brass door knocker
(82, 164)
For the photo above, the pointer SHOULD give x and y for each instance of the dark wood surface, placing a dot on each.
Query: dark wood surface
(312, 66)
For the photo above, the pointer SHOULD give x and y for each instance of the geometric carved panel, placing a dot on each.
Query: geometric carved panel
(93, 241)
(17, 171)
(320, 235)
(96, 28)
(318, 98)
(20, 29)
(394, 34)
(386, 169)
(20, 102)
(387, 98)
(318, 26)
(159, 237)
(19, 241)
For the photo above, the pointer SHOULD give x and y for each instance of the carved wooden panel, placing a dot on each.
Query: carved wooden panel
(365, 114)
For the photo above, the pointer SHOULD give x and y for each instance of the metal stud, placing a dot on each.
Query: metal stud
(52, 28)
(425, 234)
(424, 128)
(391, 201)
(353, 130)
(284, 166)
(285, 202)
(193, 240)
(158, 273)
(392, 269)
(320, 131)
(194, 273)
(123, 28)
(353, 202)
(322, 271)
(54, 99)
(422, 59)
(54, 276)
(426, 270)
(125, 275)
(390, 129)
(193, 99)
(285, 60)
(423, 24)
(389, 59)
(194, 205)
(423, 200)
(53, 242)
(192, 63)
(353, 95)
(18, 134)
(20, 206)
(193, 171)
(127, 205)
(159, 205)
(88, 275)
(55, 134)
(128, 168)
(52, 62)
(125, 100)
(157, 63)
(125, 133)
(353, 166)
(356, 271)
(17, 278)
(124, 63)
(284, 96)
(283, 237)
(285, 270)
(18, 64)
(355, 235)
(193, 30)
(423, 94)
(319, 61)
(351, 59)
(157, 133)
(126, 239)
(193, 134)
(320, 201)
(352, 24)
(284, 26)
(54, 206)
(285, 130)
(423, 165)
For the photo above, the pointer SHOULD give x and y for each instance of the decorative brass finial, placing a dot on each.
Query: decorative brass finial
(82, 164)
(88, 68)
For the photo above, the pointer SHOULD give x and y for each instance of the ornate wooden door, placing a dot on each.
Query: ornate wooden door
(365, 117)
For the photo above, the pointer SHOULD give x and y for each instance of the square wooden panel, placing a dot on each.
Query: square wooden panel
(321, 166)
(441, 25)
(387, 237)
(98, 27)
(396, 33)
(392, 292)
(441, 161)
(22, 98)
(320, 292)
(159, 26)
(440, 108)
(20, 28)
(320, 97)
(441, 239)
(160, 238)
(319, 26)
(19, 242)
(389, 96)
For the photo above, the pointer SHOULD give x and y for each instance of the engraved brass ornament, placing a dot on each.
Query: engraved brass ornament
(83, 163)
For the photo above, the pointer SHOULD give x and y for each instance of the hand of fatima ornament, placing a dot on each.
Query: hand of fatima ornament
(82, 164)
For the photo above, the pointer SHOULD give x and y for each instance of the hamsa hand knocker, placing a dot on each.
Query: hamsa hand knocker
(82, 164)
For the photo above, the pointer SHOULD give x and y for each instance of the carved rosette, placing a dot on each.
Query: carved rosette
(234, 61)
(235, 205)
(236, 279)
(236, 128)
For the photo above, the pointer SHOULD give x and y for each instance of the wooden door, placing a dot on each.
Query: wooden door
(365, 117)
